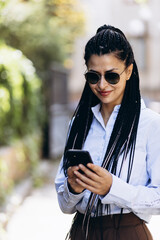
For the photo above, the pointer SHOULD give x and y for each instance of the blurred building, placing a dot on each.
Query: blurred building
(140, 21)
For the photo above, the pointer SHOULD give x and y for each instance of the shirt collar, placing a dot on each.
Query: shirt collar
(96, 109)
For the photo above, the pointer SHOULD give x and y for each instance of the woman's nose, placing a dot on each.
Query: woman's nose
(102, 83)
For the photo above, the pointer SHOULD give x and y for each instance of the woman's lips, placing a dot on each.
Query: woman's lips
(104, 93)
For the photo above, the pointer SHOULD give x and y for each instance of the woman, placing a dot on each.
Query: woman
(120, 191)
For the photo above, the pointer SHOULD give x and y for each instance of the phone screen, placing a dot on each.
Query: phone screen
(76, 157)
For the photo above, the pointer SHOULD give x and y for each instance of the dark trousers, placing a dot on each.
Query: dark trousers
(112, 227)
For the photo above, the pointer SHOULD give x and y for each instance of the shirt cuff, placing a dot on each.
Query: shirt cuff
(119, 193)
(71, 197)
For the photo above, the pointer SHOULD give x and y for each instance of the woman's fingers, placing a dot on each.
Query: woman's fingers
(95, 178)
(92, 171)
(98, 181)
(95, 168)
(70, 170)
(89, 178)
(86, 186)
(73, 185)
(85, 178)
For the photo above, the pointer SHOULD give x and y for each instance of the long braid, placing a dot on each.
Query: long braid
(81, 122)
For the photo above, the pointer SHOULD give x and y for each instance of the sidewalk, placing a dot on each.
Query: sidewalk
(39, 216)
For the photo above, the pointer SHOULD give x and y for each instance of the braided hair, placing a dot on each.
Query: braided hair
(108, 39)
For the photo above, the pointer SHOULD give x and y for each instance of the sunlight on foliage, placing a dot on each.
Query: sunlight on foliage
(21, 118)
(43, 30)
(20, 95)
(4, 99)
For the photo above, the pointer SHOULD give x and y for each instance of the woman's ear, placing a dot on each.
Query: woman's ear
(129, 71)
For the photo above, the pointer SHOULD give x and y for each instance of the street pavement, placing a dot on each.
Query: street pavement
(39, 216)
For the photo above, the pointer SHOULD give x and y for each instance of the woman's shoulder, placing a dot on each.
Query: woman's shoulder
(151, 114)
(150, 117)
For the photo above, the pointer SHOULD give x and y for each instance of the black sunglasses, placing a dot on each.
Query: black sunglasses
(111, 77)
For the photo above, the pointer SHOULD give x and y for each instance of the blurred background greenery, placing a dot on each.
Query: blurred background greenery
(34, 34)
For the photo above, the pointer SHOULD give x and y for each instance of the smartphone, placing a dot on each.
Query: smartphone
(76, 157)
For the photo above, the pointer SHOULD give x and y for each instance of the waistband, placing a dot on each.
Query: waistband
(116, 220)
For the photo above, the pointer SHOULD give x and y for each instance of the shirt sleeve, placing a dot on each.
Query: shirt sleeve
(141, 199)
(67, 200)
(138, 199)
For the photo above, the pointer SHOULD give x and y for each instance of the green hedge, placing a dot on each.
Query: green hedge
(21, 119)
(21, 108)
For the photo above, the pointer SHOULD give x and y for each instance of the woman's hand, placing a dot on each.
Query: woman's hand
(73, 185)
(98, 181)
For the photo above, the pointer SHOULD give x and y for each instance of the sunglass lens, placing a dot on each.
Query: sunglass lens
(112, 78)
(92, 77)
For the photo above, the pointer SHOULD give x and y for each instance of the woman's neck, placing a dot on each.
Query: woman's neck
(106, 111)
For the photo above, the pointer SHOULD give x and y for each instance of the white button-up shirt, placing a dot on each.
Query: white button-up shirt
(142, 194)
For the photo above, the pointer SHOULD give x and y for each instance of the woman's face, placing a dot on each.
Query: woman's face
(109, 94)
